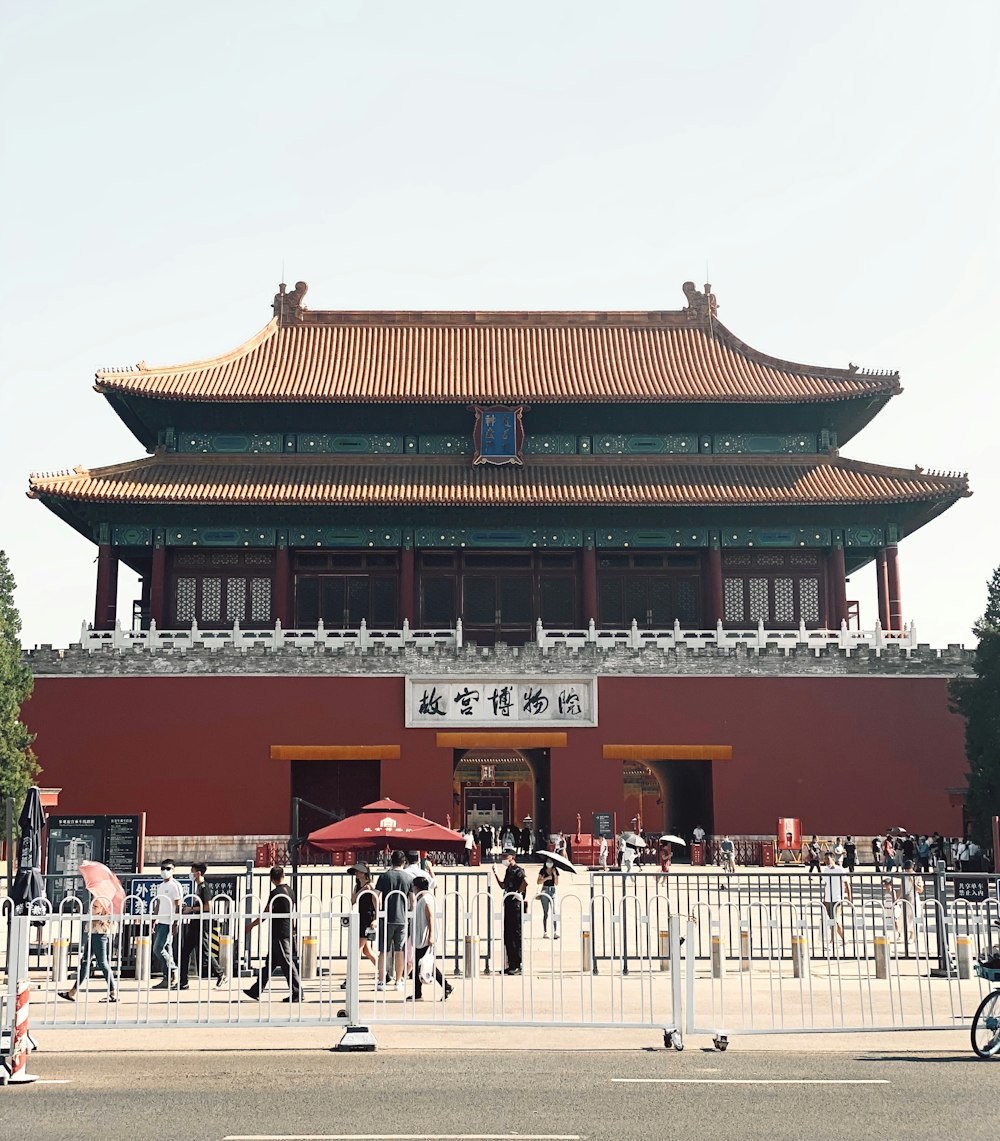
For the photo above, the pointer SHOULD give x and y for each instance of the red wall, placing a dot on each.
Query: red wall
(843, 754)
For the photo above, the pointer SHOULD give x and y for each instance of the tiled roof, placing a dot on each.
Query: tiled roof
(497, 358)
(586, 482)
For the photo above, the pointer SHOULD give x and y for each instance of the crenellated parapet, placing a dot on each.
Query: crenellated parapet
(738, 661)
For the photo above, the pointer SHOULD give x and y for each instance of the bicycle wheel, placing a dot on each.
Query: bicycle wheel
(986, 1026)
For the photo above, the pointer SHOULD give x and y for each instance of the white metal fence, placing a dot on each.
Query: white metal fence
(607, 960)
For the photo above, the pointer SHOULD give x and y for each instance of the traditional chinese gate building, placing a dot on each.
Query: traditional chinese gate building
(496, 565)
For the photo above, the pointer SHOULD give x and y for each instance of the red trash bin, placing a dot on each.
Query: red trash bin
(767, 854)
(697, 855)
(474, 856)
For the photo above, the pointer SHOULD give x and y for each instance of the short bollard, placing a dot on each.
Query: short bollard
(881, 957)
(716, 957)
(225, 954)
(798, 956)
(664, 950)
(60, 953)
(744, 949)
(142, 956)
(963, 956)
(585, 953)
(310, 947)
(470, 967)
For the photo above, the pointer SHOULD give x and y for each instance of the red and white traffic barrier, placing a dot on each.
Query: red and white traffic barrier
(18, 1059)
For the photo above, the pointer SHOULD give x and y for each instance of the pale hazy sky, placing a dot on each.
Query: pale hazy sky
(834, 166)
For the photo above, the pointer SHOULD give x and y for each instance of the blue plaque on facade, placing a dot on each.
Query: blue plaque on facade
(498, 435)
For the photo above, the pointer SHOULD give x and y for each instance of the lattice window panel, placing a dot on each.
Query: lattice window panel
(784, 601)
(211, 599)
(737, 560)
(803, 559)
(769, 560)
(759, 608)
(236, 600)
(687, 603)
(186, 591)
(260, 600)
(225, 558)
(190, 559)
(809, 599)
(660, 603)
(733, 597)
(258, 558)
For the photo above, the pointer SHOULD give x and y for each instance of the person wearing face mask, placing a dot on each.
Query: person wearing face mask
(166, 907)
(548, 877)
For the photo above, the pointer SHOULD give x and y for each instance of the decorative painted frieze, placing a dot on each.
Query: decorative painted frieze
(345, 537)
(495, 538)
(218, 443)
(623, 445)
(778, 537)
(666, 537)
(221, 537)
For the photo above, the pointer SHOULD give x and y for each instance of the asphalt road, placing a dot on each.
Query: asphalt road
(617, 1095)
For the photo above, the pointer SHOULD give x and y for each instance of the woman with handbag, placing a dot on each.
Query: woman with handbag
(363, 897)
(425, 969)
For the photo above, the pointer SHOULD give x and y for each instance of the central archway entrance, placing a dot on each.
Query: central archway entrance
(499, 787)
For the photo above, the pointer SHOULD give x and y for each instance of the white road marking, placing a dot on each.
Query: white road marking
(402, 1137)
(52, 1081)
(756, 1081)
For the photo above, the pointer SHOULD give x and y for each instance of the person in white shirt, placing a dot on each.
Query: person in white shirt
(836, 890)
(468, 847)
(911, 898)
(602, 854)
(166, 907)
(698, 835)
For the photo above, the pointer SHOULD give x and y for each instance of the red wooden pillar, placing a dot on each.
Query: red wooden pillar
(882, 588)
(158, 586)
(588, 569)
(892, 584)
(407, 598)
(106, 601)
(716, 597)
(282, 584)
(838, 587)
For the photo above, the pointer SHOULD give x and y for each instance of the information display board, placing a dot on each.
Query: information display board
(116, 841)
(604, 825)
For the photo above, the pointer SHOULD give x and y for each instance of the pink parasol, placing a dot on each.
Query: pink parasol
(386, 823)
(103, 885)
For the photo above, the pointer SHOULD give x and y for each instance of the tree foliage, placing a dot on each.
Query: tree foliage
(977, 698)
(18, 765)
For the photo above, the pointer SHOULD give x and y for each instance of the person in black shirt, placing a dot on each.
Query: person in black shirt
(515, 886)
(281, 953)
(198, 930)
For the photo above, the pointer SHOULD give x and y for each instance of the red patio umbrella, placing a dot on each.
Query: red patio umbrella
(386, 824)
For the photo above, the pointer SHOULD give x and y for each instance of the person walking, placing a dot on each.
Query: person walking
(363, 897)
(468, 847)
(166, 908)
(423, 938)
(878, 851)
(850, 855)
(394, 887)
(727, 850)
(95, 946)
(548, 877)
(281, 950)
(812, 856)
(910, 897)
(515, 886)
(198, 931)
(836, 889)
(666, 855)
(889, 853)
(602, 854)
(924, 855)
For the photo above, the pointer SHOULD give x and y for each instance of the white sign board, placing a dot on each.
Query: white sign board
(501, 702)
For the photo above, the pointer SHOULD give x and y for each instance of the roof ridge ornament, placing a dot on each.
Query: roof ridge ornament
(288, 307)
(701, 306)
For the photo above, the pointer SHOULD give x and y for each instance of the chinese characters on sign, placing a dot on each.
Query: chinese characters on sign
(498, 435)
(501, 702)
